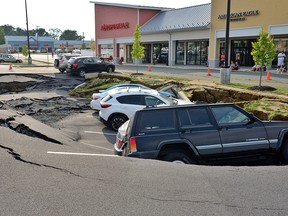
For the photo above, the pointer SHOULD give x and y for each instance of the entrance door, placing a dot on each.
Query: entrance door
(241, 52)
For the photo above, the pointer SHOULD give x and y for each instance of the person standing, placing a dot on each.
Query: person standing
(222, 59)
(281, 59)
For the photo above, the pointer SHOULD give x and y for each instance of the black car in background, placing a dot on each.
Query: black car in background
(86, 64)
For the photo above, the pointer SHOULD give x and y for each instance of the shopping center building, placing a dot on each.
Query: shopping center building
(189, 36)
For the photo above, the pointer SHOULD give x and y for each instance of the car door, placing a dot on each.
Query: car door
(238, 133)
(196, 125)
(89, 64)
(98, 65)
(131, 103)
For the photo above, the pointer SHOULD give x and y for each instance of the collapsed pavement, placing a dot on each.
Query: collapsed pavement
(37, 115)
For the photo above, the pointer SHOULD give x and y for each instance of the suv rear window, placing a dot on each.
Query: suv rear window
(159, 120)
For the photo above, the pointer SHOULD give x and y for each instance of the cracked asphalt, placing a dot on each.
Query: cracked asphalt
(42, 97)
(78, 174)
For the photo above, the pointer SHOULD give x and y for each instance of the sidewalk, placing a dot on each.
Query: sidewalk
(244, 75)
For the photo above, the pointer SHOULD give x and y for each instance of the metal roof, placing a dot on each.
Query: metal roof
(130, 6)
(194, 17)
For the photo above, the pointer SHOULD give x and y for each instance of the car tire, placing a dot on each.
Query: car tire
(1, 61)
(82, 72)
(116, 121)
(62, 70)
(56, 63)
(284, 152)
(109, 69)
(178, 157)
(17, 61)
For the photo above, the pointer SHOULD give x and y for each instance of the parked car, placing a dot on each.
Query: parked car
(118, 106)
(120, 138)
(12, 51)
(85, 64)
(9, 58)
(96, 97)
(205, 133)
(61, 61)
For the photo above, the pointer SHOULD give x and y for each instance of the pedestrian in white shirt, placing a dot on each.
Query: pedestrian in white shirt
(281, 59)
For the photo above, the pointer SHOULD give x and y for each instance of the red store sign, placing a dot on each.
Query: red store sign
(123, 25)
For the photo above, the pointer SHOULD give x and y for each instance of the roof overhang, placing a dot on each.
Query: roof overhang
(130, 6)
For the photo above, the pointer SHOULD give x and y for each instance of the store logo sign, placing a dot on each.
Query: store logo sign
(240, 16)
(116, 26)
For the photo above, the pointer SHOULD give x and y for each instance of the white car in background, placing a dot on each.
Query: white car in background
(120, 104)
(169, 91)
(96, 97)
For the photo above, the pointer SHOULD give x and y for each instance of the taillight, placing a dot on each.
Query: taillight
(119, 142)
(75, 65)
(132, 142)
(95, 97)
(106, 105)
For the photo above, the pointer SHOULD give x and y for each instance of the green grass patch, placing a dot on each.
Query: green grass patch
(271, 108)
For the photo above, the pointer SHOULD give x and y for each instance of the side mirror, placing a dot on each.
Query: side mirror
(251, 119)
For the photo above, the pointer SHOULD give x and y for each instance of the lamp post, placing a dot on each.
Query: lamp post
(225, 73)
(227, 34)
(38, 47)
(29, 57)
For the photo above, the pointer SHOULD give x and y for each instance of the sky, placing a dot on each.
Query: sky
(75, 15)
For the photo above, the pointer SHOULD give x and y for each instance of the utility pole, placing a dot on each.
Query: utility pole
(29, 56)
(225, 73)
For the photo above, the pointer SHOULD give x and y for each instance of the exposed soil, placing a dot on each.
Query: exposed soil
(50, 102)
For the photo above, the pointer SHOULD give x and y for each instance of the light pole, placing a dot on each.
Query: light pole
(29, 57)
(38, 47)
(227, 34)
(225, 73)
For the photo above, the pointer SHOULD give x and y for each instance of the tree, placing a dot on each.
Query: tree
(70, 35)
(25, 50)
(137, 49)
(55, 33)
(83, 46)
(2, 36)
(92, 45)
(263, 52)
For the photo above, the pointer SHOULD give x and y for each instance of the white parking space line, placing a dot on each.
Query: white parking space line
(96, 146)
(81, 154)
(94, 132)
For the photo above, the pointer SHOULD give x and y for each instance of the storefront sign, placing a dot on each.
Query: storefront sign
(239, 16)
(123, 25)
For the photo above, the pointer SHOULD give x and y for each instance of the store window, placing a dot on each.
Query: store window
(197, 52)
(107, 50)
(180, 53)
(147, 53)
(160, 52)
(281, 44)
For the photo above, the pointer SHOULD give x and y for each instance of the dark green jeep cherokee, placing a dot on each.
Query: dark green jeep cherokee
(202, 134)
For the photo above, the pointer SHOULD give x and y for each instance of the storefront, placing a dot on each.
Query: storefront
(189, 36)
(248, 18)
(169, 36)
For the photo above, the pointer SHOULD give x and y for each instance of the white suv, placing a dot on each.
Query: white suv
(119, 105)
(61, 61)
